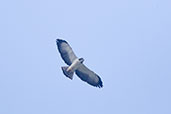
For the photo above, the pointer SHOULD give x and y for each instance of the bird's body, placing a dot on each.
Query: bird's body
(69, 70)
(76, 65)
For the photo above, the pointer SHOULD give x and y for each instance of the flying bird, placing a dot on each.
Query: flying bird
(76, 65)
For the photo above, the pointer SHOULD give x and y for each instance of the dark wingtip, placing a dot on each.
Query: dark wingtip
(60, 41)
(100, 83)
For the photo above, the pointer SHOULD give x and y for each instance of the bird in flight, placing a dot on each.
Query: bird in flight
(76, 65)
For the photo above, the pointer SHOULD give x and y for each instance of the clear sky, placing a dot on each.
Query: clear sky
(126, 42)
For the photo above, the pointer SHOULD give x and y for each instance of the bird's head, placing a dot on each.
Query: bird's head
(81, 60)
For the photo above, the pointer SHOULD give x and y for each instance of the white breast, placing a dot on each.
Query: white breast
(74, 65)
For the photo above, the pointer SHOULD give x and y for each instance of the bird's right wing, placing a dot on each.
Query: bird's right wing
(66, 51)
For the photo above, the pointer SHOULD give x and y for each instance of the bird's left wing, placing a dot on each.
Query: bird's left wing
(66, 51)
(89, 76)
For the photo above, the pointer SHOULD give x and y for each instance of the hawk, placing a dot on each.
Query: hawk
(76, 65)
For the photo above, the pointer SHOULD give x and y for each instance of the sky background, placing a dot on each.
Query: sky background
(126, 42)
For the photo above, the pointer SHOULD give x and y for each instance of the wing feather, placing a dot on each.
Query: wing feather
(89, 76)
(66, 51)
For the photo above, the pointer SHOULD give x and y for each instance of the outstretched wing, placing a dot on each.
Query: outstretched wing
(66, 51)
(89, 76)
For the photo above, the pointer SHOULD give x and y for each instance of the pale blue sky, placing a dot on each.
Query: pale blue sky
(126, 42)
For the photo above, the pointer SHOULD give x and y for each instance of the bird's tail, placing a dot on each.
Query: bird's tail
(68, 74)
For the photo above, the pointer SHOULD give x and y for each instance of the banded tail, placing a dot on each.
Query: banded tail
(68, 74)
